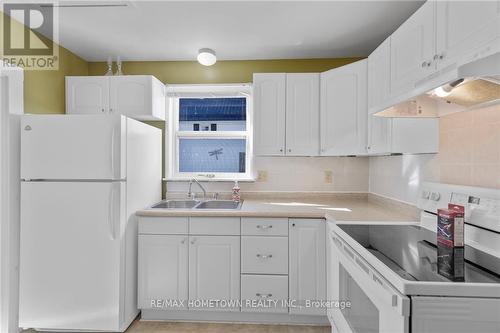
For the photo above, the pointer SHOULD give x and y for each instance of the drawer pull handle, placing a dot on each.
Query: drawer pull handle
(263, 295)
(263, 227)
(264, 256)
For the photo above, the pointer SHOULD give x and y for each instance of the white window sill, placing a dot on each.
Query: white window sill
(241, 180)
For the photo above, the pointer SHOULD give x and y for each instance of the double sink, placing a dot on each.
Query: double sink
(197, 204)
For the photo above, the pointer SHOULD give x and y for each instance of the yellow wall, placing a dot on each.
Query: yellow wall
(235, 71)
(44, 89)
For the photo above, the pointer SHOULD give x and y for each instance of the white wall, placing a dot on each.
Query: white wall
(299, 174)
(469, 154)
(11, 106)
(399, 177)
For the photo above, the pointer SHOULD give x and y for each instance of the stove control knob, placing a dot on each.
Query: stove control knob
(425, 195)
(435, 196)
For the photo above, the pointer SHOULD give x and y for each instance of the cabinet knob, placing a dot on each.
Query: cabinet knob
(293, 224)
(102, 110)
(193, 240)
(289, 150)
(110, 110)
(441, 56)
(281, 150)
(426, 64)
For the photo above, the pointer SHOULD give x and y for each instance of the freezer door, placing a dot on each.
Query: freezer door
(73, 147)
(70, 255)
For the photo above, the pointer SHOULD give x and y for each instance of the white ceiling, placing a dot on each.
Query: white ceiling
(175, 30)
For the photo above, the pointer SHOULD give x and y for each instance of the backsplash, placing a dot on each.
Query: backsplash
(469, 154)
(298, 174)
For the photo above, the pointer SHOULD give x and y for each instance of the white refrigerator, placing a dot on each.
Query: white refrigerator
(82, 179)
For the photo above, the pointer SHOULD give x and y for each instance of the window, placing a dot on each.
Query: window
(209, 133)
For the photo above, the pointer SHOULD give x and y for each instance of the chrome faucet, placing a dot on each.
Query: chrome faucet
(191, 194)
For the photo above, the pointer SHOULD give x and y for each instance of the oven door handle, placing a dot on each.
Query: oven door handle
(374, 284)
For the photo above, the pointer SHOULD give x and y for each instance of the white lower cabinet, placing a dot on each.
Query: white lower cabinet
(264, 293)
(264, 255)
(214, 269)
(268, 265)
(163, 268)
(307, 265)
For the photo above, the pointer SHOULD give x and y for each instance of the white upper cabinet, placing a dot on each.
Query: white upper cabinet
(343, 109)
(269, 113)
(412, 49)
(302, 114)
(87, 95)
(286, 114)
(379, 135)
(466, 30)
(137, 96)
(414, 135)
(379, 74)
(379, 69)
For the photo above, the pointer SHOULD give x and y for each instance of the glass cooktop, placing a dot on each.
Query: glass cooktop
(410, 251)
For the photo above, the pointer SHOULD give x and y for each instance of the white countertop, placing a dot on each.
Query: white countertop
(340, 207)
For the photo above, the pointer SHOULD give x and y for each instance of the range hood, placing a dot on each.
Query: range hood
(471, 86)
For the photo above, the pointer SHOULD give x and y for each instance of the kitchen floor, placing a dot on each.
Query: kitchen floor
(170, 327)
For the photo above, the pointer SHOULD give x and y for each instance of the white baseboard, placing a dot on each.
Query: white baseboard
(233, 317)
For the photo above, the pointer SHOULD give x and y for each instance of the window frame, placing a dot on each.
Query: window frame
(173, 134)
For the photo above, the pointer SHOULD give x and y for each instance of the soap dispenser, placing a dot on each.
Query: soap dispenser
(236, 192)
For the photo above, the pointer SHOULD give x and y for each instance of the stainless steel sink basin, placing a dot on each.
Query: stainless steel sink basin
(179, 204)
(219, 204)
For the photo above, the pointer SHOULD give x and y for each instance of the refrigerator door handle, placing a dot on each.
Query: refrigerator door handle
(111, 213)
(112, 152)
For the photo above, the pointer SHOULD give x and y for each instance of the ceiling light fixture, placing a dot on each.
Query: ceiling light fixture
(206, 57)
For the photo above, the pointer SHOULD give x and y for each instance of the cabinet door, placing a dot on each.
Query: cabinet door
(302, 114)
(307, 273)
(415, 135)
(465, 28)
(87, 94)
(131, 95)
(379, 75)
(163, 270)
(344, 109)
(379, 71)
(269, 113)
(379, 135)
(413, 49)
(214, 269)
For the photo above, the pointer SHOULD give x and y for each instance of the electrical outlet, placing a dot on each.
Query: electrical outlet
(328, 176)
(262, 175)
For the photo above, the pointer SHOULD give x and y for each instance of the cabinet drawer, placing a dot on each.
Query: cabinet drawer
(257, 226)
(259, 288)
(163, 225)
(214, 226)
(264, 255)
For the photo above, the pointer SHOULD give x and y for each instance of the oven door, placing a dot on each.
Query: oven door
(375, 306)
